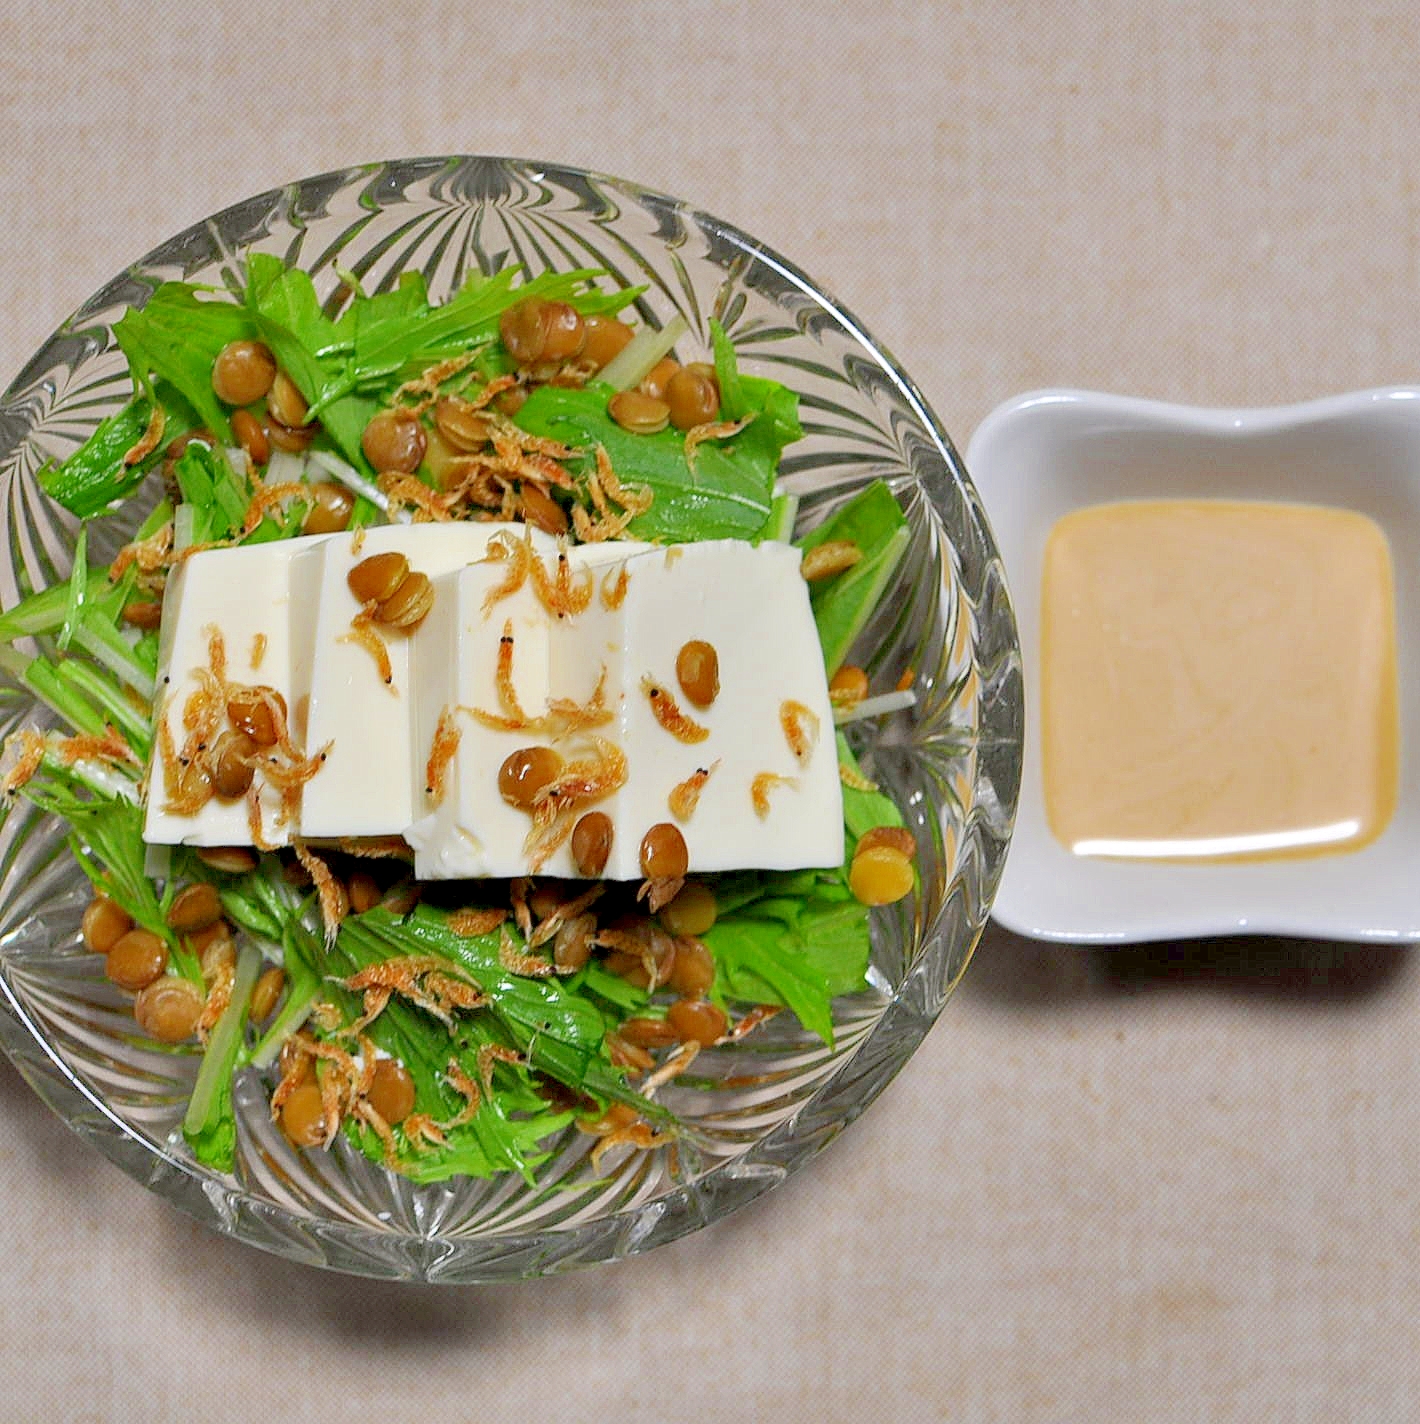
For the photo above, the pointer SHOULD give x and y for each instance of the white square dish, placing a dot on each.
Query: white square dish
(1046, 454)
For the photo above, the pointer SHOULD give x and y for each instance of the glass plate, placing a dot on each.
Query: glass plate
(753, 1112)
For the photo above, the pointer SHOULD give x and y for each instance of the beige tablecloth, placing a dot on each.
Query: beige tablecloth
(1169, 1183)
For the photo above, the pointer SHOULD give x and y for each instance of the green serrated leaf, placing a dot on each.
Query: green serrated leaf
(95, 476)
(843, 604)
(725, 494)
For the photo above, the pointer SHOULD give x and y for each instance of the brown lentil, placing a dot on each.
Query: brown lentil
(654, 382)
(880, 875)
(178, 446)
(374, 579)
(849, 685)
(660, 948)
(409, 604)
(693, 910)
(251, 437)
(194, 784)
(363, 890)
(104, 924)
(898, 837)
(249, 711)
(233, 860)
(168, 1009)
(391, 1091)
(523, 330)
(648, 1033)
(243, 372)
(143, 614)
(232, 768)
(697, 1021)
(394, 440)
(295, 874)
(825, 560)
(464, 428)
(606, 337)
(195, 907)
(630, 967)
(294, 1062)
(541, 510)
(693, 398)
(401, 898)
(285, 403)
(135, 960)
(294, 440)
(266, 992)
(197, 943)
(664, 854)
(693, 971)
(440, 458)
(697, 669)
(303, 1116)
(525, 772)
(629, 1055)
(639, 413)
(564, 333)
(331, 507)
(591, 843)
(573, 945)
(549, 896)
(510, 402)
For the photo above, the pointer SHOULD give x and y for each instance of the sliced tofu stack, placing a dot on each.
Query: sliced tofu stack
(488, 674)
(371, 783)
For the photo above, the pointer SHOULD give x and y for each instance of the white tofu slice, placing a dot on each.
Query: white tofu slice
(469, 830)
(372, 780)
(750, 603)
(244, 593)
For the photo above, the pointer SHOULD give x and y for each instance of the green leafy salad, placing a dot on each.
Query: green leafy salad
(441, 1027)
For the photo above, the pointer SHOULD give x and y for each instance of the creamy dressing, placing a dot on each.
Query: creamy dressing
(1218, 680)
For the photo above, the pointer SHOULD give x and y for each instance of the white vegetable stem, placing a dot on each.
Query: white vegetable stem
(112, 656)
(631, 364)
(352, 479)
(875, 706)
(183, 517)
(284, 467)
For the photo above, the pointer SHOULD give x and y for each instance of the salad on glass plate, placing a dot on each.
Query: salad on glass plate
(511, 719)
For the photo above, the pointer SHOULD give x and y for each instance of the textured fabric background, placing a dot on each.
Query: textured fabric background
(1173, 1183)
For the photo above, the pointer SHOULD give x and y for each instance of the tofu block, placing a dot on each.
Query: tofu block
(469, 830)
(489, 673)
(370, 783)
(245, 595)
(751, 604)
